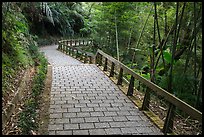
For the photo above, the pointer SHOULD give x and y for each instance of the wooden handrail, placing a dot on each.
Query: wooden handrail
(158, 90)
(72, 48)
(173, 100)
(75, 40)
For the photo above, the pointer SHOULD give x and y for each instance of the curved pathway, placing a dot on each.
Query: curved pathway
(84, 101)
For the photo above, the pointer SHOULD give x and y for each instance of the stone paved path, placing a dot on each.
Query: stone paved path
(84, 101)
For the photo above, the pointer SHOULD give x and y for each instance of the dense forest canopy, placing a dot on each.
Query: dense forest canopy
(162, 41)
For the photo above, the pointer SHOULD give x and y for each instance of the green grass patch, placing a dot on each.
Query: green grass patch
(28, 117)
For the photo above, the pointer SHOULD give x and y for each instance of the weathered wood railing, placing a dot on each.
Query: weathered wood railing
(77, 42)
(174, 102)
(171, 99)
(69, 47)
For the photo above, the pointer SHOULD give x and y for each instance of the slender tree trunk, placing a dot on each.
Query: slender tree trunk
(153, 47)
(197, 104)
(192, 42)
(195, 78)
(180, 20)
(129, 41)
(116, 34)
(160, 44)
(173, 51)
(165, 23)
(164, 43)
(136, 46)
(188, 56)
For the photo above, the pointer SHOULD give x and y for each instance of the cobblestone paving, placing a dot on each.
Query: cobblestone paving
(57, 58)
(84, 101)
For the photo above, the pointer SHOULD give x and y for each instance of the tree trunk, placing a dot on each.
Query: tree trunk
(116, 34)
(136, 46)
(129, 42)
(169, 89)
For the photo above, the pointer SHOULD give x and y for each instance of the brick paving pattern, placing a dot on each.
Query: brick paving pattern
(84, 101)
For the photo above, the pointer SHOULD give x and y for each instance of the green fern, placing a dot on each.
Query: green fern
(47, 11)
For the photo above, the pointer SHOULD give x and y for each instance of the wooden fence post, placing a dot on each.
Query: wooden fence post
(77, 54)
(120, 77)
(100, 60)
(112, 69)
(96, 58)
(168, 124)
(63, 48)
(85, 56)
(81, 56)
(131, 86)
(105, 65)
(146, 100)
(66, 49)
(69, 50)
(79, 41)
(75, 41)
(90, 59)
(58, 46)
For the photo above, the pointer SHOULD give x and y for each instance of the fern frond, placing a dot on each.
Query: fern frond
(47, 11)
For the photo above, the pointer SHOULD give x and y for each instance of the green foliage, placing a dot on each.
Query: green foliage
(15, 43)
(28, 117)
(103, 17)
(19, 50)
(55, 18)
(147, 76)
(167, 56)
(27, 121)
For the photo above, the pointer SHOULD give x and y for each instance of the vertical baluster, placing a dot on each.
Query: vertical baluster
(146, 100)
(69, 49)
(105, 65)
(96, 58)
(66, 49)
(100, 59)
(168, 124)
(77, 54)
(74, 52)
(131, 86)
(84, 57)
(58, 46)
(81, 56)
(120, 77)
(90, 61)
(63, 46)
(112, 69)
(71, 43)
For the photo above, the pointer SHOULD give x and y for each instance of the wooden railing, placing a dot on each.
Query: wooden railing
(77, 42)
(173, 101)
(69, 47)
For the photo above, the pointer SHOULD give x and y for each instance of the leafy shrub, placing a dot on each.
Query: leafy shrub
(28, 116)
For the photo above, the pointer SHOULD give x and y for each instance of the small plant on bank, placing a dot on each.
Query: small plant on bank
(28, 116)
